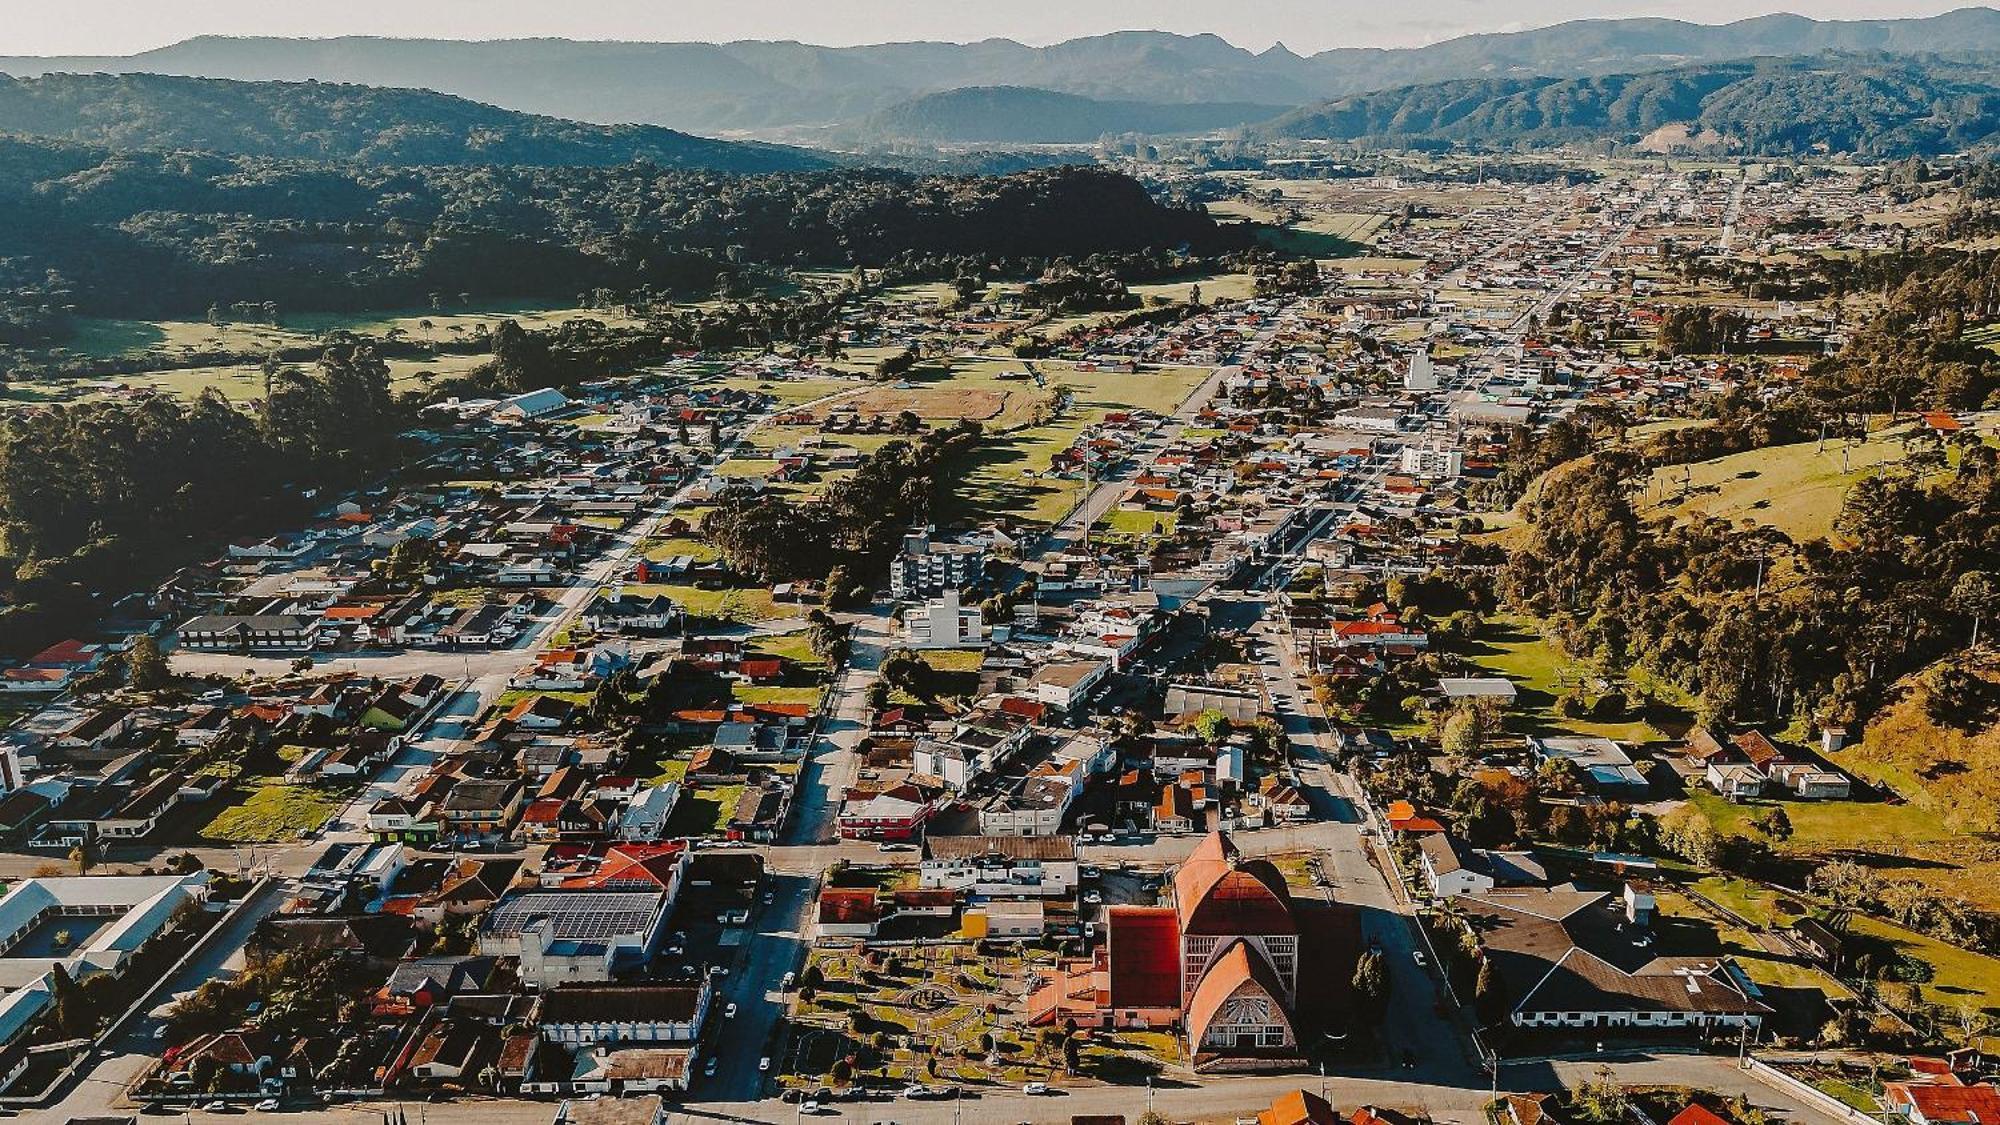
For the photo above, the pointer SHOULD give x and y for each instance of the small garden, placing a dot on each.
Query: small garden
(949, 1013)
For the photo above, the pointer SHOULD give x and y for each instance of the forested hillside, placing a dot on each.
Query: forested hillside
(325, 121)
(1761, 628)
(1870, 105)
(150, 233)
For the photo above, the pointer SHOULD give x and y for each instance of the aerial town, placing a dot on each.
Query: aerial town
(1414, 675)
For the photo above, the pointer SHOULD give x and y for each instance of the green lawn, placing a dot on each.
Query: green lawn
(736, 604)
(275, 811)
(1516, 649)
(1138, 524)
(778, 696)
(793, 647)
(1820, 826)
(700, 550)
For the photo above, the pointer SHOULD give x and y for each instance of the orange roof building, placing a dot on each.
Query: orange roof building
(1239, 956)
(1297, 1107)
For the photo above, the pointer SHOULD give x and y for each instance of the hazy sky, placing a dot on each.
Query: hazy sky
(49, 27)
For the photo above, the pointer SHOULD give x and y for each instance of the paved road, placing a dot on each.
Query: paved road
(774, 944)
(1105, 495)
(1219, 1099)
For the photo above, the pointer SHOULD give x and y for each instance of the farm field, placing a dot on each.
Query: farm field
(113, 338)
(237, 383)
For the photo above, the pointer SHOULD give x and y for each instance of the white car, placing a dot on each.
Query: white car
(1033, 1088)
(1092, 897)
(1417, 955)
(764, 1063)
(268, 1105)
(729, 1013)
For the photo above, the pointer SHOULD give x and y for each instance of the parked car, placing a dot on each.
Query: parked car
(268, 1105)
(1035, 1088)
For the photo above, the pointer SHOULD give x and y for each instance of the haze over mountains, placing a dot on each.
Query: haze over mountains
(772, 87)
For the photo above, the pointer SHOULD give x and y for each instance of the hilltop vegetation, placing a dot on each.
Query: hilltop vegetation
(1872, 105)
(150, 234)
(1938, 743)
(324, 121)
(1020, 115)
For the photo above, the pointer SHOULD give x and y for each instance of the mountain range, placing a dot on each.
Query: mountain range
(771, 87)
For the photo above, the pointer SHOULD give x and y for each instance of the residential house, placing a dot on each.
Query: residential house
(1000, 866)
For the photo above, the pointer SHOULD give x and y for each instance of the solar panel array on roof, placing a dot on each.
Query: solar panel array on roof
(576, 915)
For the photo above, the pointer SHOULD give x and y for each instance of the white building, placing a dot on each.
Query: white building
(1000, 866)
(942, 622)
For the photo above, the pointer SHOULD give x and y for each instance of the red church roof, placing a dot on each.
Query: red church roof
(1144, 956)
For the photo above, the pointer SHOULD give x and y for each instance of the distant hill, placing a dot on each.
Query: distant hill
(772, 86)
(324, 121)
(1020, 115)
(1873, 105)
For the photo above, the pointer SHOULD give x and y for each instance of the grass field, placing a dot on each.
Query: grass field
(1516, 649)
(788, 392)
(113, 338)
(778, 696)
(1138, 524)
(744, 604)
(275, 811)
(1214, 287)
(1323, 234)
(1832, 826)
(794, 647)
(660, 550)
(1003, 476)
(237, 383)
(1797, 489)
(704, 811)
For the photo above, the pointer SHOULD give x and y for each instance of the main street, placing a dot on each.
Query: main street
(1449, 1100)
